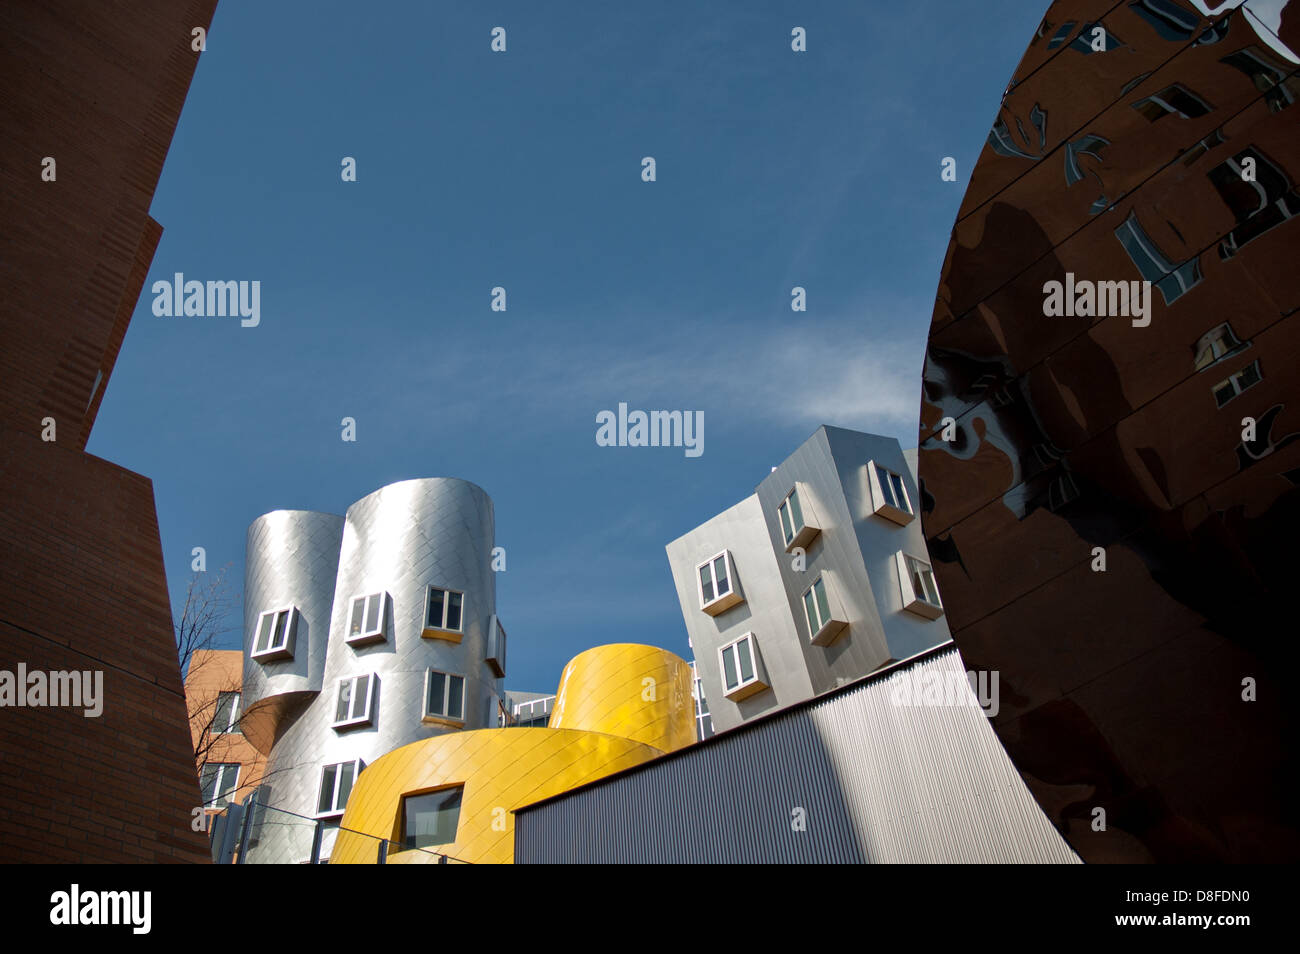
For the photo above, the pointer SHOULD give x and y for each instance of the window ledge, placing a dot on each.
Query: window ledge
(722, 603)
(924, 609)
(894, 515)
(365, 639)
(450, 635)
(748, 689)
(805, 536)
(351, 723)
(271, 655)
(829, 632)
(443, 720)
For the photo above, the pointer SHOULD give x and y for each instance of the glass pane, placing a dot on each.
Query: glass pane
(435, 609)
(823, 604)
(208, 781)
(430, 819)
(786, 530)
(264, 633)
(225, 703)
(342, 710)
(720, 574)
(729, 667)
(453, 610)
(1248, 377)
(810, 609)
(346, 771)
(455, 697)
(437, 693)
(706, 583)
(373, 607)
(359, 697)
(358, 608)
(886, 489)
(796, 512)
(744, 654)
(325, 802)
(229, 779)
(900, 492)
(1224, 393)
(931, 591)
(281, 628)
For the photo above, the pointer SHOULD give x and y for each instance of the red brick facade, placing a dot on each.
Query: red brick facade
(98, 87)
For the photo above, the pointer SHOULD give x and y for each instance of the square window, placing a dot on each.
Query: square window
(716, 577)
(1215, 345)
(889, 496)
(275, 634)
(823, 624)
(432, 818)
(1235, 384)
(796, 529)
(444, 697)
(366, 619)
(920, 592)
(226, 719)
(218, 781)
(742, 671)
(444, 613)
(335, 786)
(354, 703)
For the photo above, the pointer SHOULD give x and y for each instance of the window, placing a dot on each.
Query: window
(443, 610)
(226, 719)
(431, 819)
(889, 494)
(218, 780)
(1172, 280)
(275, 632)
(1171, 21)
(1215, 345)
(366, 619)
(795, 529)
(823, 626)
(335, 786)
(1268, 75)
(919, 591)
(716, 577)
(1259, 205)
(1230, 387)
(356, 695)
(742, 675)
(496, 648)
(444, 697)
(1172, 99)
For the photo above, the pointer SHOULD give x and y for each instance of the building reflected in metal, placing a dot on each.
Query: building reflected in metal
(1110, 502)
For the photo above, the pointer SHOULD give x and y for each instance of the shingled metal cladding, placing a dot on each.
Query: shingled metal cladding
(877, 782)
(1138, 141)
(397, 541)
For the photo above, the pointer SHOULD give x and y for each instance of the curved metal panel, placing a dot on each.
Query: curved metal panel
(1109, 483)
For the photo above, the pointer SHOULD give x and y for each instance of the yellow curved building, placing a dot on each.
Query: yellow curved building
(616, 707)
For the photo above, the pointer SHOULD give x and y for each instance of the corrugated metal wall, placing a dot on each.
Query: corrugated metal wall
(877, 782)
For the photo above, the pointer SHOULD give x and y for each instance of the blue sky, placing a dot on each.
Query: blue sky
(523, 169)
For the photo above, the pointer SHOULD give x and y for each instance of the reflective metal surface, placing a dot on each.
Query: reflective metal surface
(846, 778)
(1119, 155)
(399, 540)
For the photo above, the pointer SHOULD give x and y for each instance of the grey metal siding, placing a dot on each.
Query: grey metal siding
(878, 782)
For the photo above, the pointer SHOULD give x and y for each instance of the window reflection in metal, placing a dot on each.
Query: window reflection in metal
(1174, 281)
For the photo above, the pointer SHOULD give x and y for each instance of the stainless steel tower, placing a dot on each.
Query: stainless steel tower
(362, 634)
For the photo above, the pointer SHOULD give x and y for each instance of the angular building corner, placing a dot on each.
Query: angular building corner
(94, 93)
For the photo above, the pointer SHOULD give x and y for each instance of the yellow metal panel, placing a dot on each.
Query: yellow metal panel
(617, 706)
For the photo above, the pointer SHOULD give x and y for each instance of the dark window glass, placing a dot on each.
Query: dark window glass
(373, 610)
(430, 819)
(455, 697)
(437, 693)
(343, 710)
(453, 610)
(358, 608)
(435, 608)
(325, 802)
